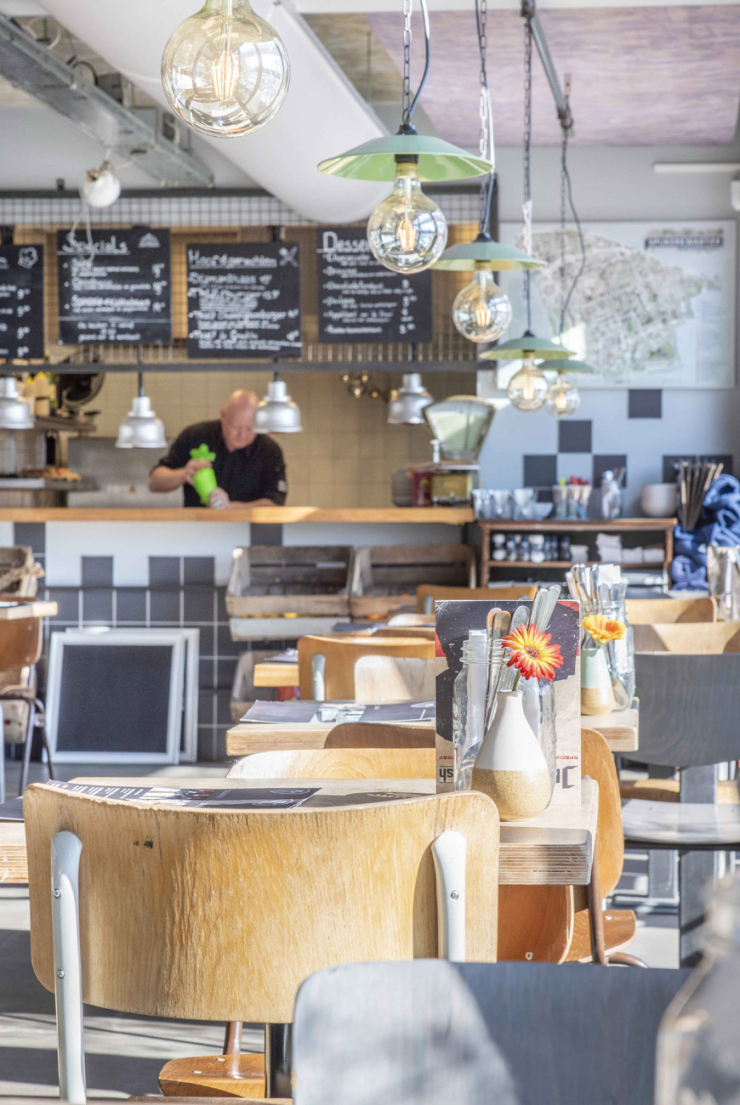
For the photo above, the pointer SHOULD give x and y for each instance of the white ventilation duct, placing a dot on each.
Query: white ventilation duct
(322, 114)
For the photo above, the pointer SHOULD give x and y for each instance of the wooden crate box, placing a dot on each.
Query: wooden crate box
(280, 579)
(385, 577)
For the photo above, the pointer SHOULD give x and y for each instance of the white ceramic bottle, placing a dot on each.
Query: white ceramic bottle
(597, 693)
(510, 766)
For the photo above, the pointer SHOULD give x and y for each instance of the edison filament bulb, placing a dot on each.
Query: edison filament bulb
(407, 232)
(562, 398)
(528, 387)
(481, 311)
(225, 71)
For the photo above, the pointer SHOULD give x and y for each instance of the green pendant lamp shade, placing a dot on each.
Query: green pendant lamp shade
(435, 159)
(571, 366)
(484, 253)
(513, 350)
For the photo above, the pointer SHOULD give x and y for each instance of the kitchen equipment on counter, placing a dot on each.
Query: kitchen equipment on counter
(121, 476)
(460, 425)
(611, 493)
(659, 500)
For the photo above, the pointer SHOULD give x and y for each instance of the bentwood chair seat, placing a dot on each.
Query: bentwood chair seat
(209, 914)
(428, 594)
(666, 611)
(338, 763)
(375, 735)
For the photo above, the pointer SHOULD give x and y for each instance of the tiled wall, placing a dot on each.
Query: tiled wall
(346, 454)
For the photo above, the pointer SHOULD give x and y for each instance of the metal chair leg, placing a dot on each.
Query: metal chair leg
(596, 924)
(278, 1060)
(27, 747)
(233, 1039)
(42, 726)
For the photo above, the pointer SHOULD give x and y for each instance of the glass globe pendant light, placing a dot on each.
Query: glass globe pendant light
(563, 398)
(407, 231)
(225, 71)
(481, 311)
(528, 387)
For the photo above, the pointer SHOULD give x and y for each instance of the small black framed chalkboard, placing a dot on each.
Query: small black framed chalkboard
(121, 292)
(360, 300)
(21, 302)
(244, 300)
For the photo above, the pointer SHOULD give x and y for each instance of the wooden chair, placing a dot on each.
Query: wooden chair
(397, 678)
(411, 619)
(682, 638)
(559, 924)
(338, 763)
(688, 721)
(423, 632)
(326, 665)
(206, 914)
(427, 595)
(21, 642)
(665, 611)
(364, 735)
(441, 1033)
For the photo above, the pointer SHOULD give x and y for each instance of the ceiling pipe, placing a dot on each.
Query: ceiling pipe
(321, 114)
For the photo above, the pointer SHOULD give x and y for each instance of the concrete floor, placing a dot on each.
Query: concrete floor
(125, 1053)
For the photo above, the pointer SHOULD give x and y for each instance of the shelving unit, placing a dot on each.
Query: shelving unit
(632, 527)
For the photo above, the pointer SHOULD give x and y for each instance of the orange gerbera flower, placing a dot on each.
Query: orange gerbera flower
(604, 629)
(532, 654)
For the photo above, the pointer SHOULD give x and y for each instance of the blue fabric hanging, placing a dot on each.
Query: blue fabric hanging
(719, 524)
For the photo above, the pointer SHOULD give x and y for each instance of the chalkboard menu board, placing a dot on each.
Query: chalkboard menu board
(21, 302)
(244, 300)
(360, 300)
(121, 292)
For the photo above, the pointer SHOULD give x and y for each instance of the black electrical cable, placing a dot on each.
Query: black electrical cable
(427, 44)
(569, 192)
(480, 24)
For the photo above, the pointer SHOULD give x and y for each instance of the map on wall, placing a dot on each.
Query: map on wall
(654, 308)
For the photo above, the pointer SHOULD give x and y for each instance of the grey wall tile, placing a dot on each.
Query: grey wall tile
(131, 604)
(97, 606)
(224, 643)
(540, 470)
(199, 569)
(164, 606)
(164, 571)
(645, 403)
(263, 534)
(97, 571)
(574, 437)
(199, 605)
(31, 533)
(68, 599)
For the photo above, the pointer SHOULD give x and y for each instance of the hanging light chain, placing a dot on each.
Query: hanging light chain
(527, 207)
(406, 96)
(563, 232)
(485, 143)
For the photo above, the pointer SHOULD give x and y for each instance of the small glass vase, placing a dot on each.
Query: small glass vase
(597, 690)
(620, 655)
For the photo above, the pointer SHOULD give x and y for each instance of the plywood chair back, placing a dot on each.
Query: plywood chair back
(688, 707)
(20, 642)
(463, 1033)
(341, 655)
(688, 639)
(428, 594)
(397, 678)
(371, 735)
(338, 763)
(216, 915)
(597, 762)
(666, 611)
(424, 632)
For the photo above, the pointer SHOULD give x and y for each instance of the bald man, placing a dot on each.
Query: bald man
(249, 467)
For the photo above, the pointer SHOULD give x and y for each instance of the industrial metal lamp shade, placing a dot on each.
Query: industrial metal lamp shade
(277, 414)
(571, 366)
(141, 429)
(14, 413)
(376, 160)
(484, 253)
(407, 405)
(515, 348)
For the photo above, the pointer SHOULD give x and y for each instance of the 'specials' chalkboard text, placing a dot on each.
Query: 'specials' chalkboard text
(118, 293)
(21, 302)
(244, 300)
(360, 300)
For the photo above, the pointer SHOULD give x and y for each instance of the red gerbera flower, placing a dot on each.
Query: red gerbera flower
(532, 654)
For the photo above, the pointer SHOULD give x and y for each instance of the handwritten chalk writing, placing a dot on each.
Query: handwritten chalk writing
(360, 300)
(21, 298)
(117, 292)
(244, 300)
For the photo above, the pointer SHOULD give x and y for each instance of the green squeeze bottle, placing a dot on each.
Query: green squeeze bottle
(204, 480)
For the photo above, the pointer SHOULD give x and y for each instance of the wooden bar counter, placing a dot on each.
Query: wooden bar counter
(260, 515)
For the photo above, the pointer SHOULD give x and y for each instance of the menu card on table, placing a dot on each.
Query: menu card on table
(360, 300)
(338, 713)
(454, 620)
(244, 300)
(21, 302)
(117, 292)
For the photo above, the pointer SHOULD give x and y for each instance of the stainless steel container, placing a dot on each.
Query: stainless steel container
(21, 449)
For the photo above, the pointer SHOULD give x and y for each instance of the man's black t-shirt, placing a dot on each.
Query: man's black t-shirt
(255, 472)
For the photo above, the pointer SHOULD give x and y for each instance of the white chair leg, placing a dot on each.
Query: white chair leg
(448, 851)
(65, 922)
(318, 682)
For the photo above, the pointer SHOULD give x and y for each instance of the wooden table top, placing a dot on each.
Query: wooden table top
(620, 731)
(36, 609)
(271, 674)
(555, 848)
